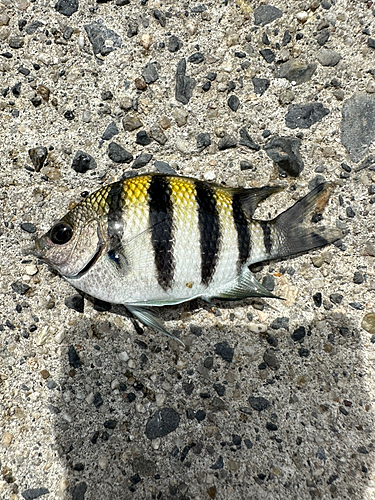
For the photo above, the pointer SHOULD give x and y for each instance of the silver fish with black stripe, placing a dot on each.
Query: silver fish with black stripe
(156, 240)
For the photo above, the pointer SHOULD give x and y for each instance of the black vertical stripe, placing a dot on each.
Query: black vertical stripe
(209, 229)
(242, 228)
(161, 224)
(114, 218)
(266, 236)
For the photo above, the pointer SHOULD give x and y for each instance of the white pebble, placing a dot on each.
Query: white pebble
(103, 463)
(302, 16)
(156, 443)
(43, 336)
(31, 269)
(159, 399)
(59, 337)
(131, 363)
(86, 116)
(370, 88)
(90, 398)
(257, 327)
(66, 416)
(210, 175)
(191, 28)
(146, 41)
(123, 356)
(115, 384)
(81, 41)
(139, 408)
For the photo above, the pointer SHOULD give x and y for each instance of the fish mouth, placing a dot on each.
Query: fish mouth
(90, 264)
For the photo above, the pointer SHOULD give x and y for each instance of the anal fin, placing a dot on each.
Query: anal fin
(148, 318)
(245, 286)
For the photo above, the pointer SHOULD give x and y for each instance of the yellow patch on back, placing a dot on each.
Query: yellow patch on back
(135, 189)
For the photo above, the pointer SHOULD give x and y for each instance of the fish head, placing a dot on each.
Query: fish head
(72, 245)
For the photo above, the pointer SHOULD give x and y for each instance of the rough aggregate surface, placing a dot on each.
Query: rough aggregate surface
(269, 399)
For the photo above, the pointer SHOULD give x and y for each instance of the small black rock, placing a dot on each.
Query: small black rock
(160, 16)
(66, 7)
(118, 154)
(33, 493)
(28, 227)
(16, 89)
(161, 423)
(110, 424)
(98, 400)
(258, 403)
(220, 389)
(74, 359)
(336, 298)
(226, 142)
(75, 302)
(260, 85)
(211, 76)
(246, 140)
(280, 322)
(200, 415)
(268, 55)
(233, 102)
(110, 132)
(20, 288)
(142, 138)
(164, 168)
(38, 156)
(142, 160)
(299, 334)
(265, 14)
(317, 298)
(305, 115)
(69, 115)
(79, 491)
(184, 84)
(82, 162)
(174, 43)
(196, 58)
(150, 73)
(206, 86)
(271, 426)
(219, 464)
(106, 95)
(224, 350)
(203, 140)
(286, 38)
(358, 278)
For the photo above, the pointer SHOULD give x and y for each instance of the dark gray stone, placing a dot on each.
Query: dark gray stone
(38, 156)
(161, 423)
(174, 43)
(74, 359)
(150, 73)
(164, 168)
(233, 102)
(142, 160)
(75, 302)
(28, 227)
(225, 351)
(219, 464)
(305, 115)
(196, 58)
(268, 55)
(33, 26)
(118, 154)
(132, 29)
(98, 33)
(328, 57)
(160, 16)
(265, 14)
(158, 135)
(142, 138)
(203, 140)
(260, 85)
(98, 400)
(246, 140)
(20, 288)
(269, 357)
(33, 493)
(296, 71)
(269, 282)
(66, 7)
(285, 152)
(358, 125)
(336, 298)
(226, 142)
(16, 42)
(371, 42)
(110, 132)
(184, 84)
(323, 37)
(258, 403)
(299, 334)
(67, 32)
(82, 162)
(79, 491)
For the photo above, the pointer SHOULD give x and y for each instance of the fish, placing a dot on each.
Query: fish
(155, 240)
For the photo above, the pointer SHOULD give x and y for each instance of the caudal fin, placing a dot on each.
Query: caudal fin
(296, 229)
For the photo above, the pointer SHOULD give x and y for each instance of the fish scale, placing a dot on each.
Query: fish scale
(157, 239)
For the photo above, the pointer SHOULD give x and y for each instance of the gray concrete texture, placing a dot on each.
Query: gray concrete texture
(269, 399)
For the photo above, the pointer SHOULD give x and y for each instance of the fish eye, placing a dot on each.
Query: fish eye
(61, 233)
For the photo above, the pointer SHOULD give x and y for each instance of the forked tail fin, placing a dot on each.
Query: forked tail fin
(295, 229)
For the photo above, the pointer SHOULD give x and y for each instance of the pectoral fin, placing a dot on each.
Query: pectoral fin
(245, 286)
(148, 318)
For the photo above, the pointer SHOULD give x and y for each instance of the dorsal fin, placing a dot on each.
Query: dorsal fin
(250, 198)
